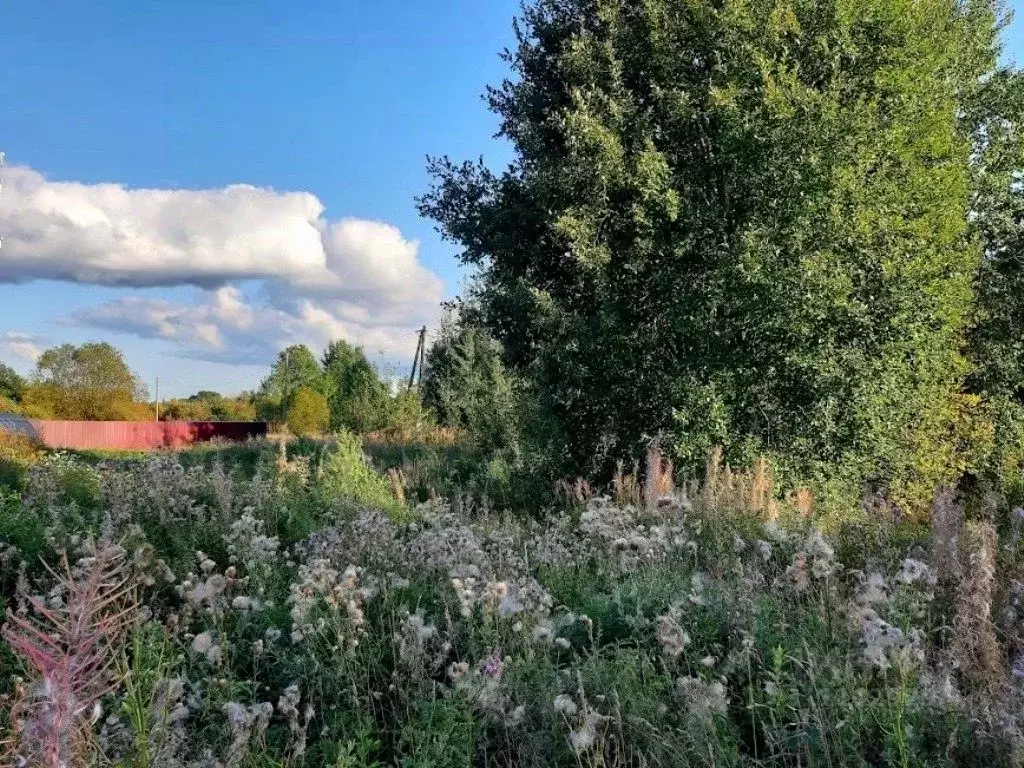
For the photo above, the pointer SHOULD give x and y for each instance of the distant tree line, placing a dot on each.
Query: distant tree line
(341, 390)
(93, 381)
(207, 405)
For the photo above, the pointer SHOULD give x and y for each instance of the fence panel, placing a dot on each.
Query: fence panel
(141, 435)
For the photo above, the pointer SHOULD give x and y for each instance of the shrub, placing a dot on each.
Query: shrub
(17, 454)
(347, 474)
(466, 384)
(308, 413)
(408, 417)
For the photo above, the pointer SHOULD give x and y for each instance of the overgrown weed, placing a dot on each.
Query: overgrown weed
(297, 612)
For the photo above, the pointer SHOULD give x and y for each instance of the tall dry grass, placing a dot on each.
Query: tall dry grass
(750, 491)
(975, 648)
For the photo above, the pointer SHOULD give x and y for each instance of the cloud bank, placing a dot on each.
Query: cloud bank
(20, 345)
(271, 269)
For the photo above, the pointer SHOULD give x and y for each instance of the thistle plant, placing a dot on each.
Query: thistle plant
(695, 630)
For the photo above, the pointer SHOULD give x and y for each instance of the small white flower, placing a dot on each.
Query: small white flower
(702, 699)
(672, 638)
(457, 670)
(913, 571)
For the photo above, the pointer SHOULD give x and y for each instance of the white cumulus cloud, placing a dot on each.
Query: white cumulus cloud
(20, 345)
(222, 326)
(269, 267)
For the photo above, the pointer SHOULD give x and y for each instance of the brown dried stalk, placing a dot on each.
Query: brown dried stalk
(947, 524)
(398, 484)
(658, 479)
(576, 492)
(803, 502)
(751, 490)
(975, 647)
(626, 488)
(71, 652)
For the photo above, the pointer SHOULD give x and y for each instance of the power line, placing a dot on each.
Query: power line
(242, 378)
(198, 385)
(419, 357)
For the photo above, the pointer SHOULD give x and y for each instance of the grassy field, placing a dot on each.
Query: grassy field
(305, 609)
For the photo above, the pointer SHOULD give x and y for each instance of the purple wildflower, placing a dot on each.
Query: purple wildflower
(493, 664)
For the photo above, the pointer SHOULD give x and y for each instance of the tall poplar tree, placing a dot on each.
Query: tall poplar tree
(996, 118)
(358, 399)
(295, 368)
(737, 222)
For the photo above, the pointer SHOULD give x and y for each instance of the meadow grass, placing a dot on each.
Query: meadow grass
(292, 606)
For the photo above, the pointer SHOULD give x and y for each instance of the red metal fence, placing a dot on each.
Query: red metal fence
(141, 435)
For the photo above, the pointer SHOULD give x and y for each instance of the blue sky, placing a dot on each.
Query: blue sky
(340, 100)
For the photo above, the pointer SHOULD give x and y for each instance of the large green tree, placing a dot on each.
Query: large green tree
(12, 385)
(996, 117)
(359, 400)
(466, 385)
(296, 367)
(89, 381)
(740, 222)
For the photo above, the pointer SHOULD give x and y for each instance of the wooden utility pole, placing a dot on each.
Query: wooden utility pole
(158, 398)
(423, 353)
(417, 358)
(287, 374)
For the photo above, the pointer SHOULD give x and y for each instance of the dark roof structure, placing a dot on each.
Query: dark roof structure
(18, 425)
